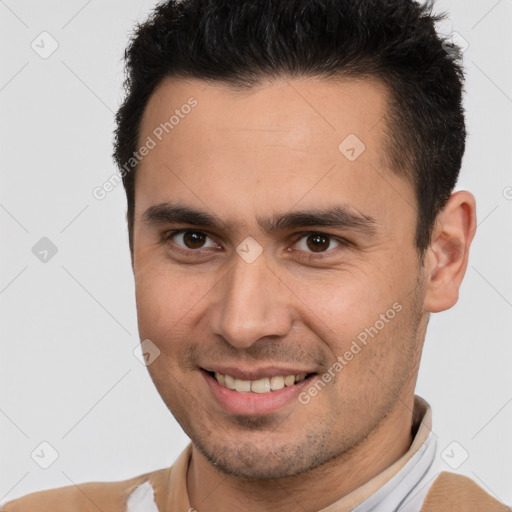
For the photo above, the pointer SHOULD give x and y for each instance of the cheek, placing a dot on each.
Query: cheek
(159, 303)
(165, 313)
(365, 318)
(170, 304)
(338, 306)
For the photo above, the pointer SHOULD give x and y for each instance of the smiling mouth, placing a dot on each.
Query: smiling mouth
(260, 386)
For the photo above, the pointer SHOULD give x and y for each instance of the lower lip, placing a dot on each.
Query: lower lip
(253, 404)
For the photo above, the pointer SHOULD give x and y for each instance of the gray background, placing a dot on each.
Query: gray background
(69, 376)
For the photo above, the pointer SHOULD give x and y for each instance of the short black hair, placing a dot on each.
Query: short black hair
(244, 42)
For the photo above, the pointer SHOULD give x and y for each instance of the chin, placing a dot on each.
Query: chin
(251, 462)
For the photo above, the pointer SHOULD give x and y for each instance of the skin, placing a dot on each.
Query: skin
(246, 155)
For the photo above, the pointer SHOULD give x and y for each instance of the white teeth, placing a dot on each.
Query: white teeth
(265, 385)
(242, 385)
(229, 381)
(289, 380)
(220, 378)
(260, 386)
(276, 383)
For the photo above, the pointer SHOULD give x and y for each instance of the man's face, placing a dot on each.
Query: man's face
(267, 164)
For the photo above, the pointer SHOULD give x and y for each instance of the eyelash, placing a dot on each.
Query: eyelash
(343, 243)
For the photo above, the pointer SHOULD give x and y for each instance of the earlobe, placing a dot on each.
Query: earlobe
(447, 255)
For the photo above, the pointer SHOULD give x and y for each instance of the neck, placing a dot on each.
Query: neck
(211, 490)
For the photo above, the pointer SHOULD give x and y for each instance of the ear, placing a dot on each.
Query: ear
(446, 258)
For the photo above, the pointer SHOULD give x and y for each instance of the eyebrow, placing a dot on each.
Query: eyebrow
(341, 216)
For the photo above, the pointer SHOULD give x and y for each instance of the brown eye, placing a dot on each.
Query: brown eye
(194, 239)
(318, 242)
(188, 239)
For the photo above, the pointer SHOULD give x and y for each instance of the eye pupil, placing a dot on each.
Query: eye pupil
(193, 239)
(318, 242)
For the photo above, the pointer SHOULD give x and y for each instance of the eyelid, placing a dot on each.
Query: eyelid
(302, 234)
(168, 235)
(340, 240)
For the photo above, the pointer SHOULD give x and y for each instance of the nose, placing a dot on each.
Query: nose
(252, 303)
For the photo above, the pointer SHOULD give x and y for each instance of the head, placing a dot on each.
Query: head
(292, 206)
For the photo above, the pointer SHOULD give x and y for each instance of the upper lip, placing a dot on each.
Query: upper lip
(256, 373)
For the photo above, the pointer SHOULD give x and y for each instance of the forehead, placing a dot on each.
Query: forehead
(267, 148)
(297, 112)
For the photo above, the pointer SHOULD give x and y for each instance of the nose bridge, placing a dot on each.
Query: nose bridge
(251, 305)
